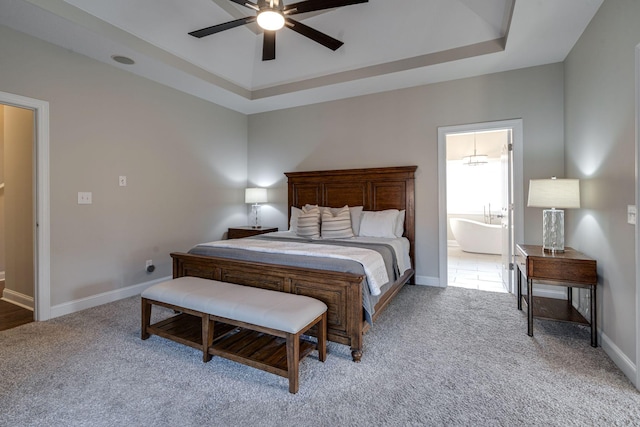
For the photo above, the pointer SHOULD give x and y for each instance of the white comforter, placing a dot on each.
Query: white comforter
(372, 261)
(400, 245)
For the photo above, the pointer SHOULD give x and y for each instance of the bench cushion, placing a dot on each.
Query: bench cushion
(271, 309)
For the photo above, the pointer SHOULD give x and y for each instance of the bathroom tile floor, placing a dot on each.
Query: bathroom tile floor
(474, 271)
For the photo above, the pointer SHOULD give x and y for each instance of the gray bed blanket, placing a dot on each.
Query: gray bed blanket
(318, 263)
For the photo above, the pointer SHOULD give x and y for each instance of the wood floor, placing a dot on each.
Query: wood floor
(12, 315)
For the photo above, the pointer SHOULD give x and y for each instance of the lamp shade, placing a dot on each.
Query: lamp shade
(255, 195)
(554, 193)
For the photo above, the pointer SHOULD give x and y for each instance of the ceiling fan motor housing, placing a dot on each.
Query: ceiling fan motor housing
(270, 17)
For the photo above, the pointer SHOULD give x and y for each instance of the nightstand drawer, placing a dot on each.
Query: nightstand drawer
(570, 266)
(577, 272)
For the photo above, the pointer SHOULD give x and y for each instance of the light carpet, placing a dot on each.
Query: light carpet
(435, 357)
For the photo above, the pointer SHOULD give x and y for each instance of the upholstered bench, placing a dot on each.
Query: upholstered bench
(257, 327)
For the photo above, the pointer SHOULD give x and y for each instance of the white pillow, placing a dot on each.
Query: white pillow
(336, 223)
(293, 222)
(379, 223)
(309, 223)
(399, 229)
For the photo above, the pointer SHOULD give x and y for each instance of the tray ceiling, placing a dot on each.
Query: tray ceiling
(387, 44)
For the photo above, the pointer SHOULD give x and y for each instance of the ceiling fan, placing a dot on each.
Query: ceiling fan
(272, 15)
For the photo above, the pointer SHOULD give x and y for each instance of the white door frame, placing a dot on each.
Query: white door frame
(518, 186)
(637, 244)
(42, 291)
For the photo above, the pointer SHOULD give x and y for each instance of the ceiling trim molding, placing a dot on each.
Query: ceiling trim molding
(506, 25)
(455, 54)
(85, 19)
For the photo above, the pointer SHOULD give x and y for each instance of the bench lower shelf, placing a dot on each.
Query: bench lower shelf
(252, 348)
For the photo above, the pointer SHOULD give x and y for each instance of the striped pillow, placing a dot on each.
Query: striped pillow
(336, 223)
(309, 222)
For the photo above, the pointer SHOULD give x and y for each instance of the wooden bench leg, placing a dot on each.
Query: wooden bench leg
(207, 336)
(322, 338)
(293, 361)
(146, 318)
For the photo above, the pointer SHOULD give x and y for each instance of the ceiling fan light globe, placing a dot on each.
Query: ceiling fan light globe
(270, 20)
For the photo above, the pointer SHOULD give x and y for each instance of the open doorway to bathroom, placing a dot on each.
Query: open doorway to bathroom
(480, 204)
(476, 206)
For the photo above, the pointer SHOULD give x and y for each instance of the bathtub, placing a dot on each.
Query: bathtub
(474, 236)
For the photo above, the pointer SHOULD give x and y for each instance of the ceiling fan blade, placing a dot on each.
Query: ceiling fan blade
(314, 35)
(221, 27)
(313, 5)
(269, 46)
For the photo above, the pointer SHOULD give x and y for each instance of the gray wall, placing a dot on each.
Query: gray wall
(600, 150)
(185, 160)
(401, 128)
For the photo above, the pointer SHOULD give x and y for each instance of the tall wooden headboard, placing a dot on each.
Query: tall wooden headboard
(375, 189)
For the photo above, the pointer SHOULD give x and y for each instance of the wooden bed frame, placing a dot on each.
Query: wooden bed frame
(375, 189)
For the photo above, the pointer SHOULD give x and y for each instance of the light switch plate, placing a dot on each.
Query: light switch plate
(84, 198)
(631, 214)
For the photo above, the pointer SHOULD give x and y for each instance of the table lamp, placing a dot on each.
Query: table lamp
(553, 193)
(255, 196)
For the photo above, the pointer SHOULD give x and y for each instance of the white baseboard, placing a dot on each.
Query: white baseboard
(103, 298)
(16, 298)
(621, 360)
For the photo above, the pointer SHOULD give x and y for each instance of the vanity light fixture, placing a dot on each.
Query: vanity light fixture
(475, 159)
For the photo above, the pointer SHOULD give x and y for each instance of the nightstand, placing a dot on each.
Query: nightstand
(569, 269)
(248, 231)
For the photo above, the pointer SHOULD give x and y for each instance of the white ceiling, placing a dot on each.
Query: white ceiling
(489, 143)
(388, 44)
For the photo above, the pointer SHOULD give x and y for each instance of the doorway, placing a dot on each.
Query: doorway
(40, 222)
(17, 218)
(637, 229)
(480, 206)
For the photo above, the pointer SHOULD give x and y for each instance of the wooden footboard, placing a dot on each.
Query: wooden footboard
(341, 292)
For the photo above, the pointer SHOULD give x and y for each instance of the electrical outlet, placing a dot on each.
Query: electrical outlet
(122, 180)
(631, 214)
(84, 198)
(148, 263)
